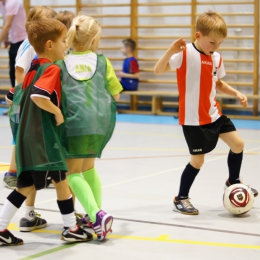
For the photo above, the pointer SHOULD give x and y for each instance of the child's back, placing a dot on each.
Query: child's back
(89, 106)
(90, 89)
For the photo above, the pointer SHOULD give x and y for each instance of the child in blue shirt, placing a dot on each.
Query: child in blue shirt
(130, 72)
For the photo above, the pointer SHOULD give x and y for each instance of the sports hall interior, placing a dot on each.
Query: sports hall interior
(141, 166)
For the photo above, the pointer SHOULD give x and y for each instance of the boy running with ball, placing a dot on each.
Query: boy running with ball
(199, 72)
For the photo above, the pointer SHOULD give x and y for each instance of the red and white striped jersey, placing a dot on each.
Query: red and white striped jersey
(197, 75)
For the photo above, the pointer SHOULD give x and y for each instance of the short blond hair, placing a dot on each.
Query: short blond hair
(84, 33)
(211, 23)
(39, 12)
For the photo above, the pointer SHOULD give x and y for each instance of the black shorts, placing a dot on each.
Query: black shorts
(203, 139)
(40, 179)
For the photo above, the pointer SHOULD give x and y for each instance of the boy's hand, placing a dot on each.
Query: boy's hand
(242, 98)
(59, 119)
(178, 46)
(120, 74)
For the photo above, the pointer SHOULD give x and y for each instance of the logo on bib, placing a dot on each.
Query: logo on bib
(83, 68)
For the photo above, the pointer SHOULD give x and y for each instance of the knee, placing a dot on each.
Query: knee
(238, 147)
(197, 162)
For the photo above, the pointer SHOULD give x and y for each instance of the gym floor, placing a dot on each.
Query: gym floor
(140, 171)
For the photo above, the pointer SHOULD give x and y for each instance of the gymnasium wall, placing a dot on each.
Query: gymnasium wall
(153, 40)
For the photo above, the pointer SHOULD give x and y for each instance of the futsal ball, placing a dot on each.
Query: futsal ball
(238, 199)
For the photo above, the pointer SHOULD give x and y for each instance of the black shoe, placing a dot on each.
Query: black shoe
(78, 220)
(255, 192)
(184, 207)
(77, 235)
(27, 225)
(8, 239)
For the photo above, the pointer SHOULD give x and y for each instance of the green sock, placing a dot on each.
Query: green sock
(84, 194)
(93, 180)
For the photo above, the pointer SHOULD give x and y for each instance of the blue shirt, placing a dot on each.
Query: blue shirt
(130, 66)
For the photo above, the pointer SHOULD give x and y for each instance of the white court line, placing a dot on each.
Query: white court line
(154, 174)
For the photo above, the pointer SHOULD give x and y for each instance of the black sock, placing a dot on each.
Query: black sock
(66, 206)
(16, 198)
(234, 165)
(67, 212)
(188, 176)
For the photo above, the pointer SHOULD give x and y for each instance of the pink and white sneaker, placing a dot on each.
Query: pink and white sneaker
(103, 225)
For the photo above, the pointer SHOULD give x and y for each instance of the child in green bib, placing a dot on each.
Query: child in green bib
(90, 90)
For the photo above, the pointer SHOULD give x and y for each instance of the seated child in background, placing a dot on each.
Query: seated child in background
(130, 72)
(39, 155)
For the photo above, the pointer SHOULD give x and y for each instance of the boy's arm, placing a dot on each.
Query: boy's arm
(223, 87)
(19, 74)
(162, 64)
(122, 74)
(48, 106)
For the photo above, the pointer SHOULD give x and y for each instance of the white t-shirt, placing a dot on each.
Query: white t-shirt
(197, 75)
(17, 31)
(82, 66)
(25, 55)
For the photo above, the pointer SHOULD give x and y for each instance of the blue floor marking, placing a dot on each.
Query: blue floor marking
(170, 120)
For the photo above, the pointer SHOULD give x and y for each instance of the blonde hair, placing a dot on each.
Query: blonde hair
(65, 17)
(43, 30)
(84, 33)
(211, 22)
(38, 12)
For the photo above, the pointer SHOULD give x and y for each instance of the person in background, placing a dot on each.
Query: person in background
(130, 72)
(14, 25)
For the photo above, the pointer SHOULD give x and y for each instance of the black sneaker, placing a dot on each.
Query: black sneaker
(8, 239)
(255, 192)
(27, 225)
(184, 207)
(77, 235)
(78, 220)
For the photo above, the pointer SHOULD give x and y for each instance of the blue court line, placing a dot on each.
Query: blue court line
(170, 120)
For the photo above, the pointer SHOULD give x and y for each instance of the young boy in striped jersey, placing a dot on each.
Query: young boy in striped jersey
(199, 71)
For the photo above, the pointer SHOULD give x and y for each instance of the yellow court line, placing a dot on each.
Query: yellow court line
(163, 238)
(6, 146)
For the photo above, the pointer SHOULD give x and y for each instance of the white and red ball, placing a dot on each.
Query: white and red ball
(238, 199)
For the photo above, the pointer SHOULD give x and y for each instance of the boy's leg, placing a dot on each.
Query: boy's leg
(11, 205)
(181, 202)
(10, 177)
(71, 231)
(31, 219)
(235, 157)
